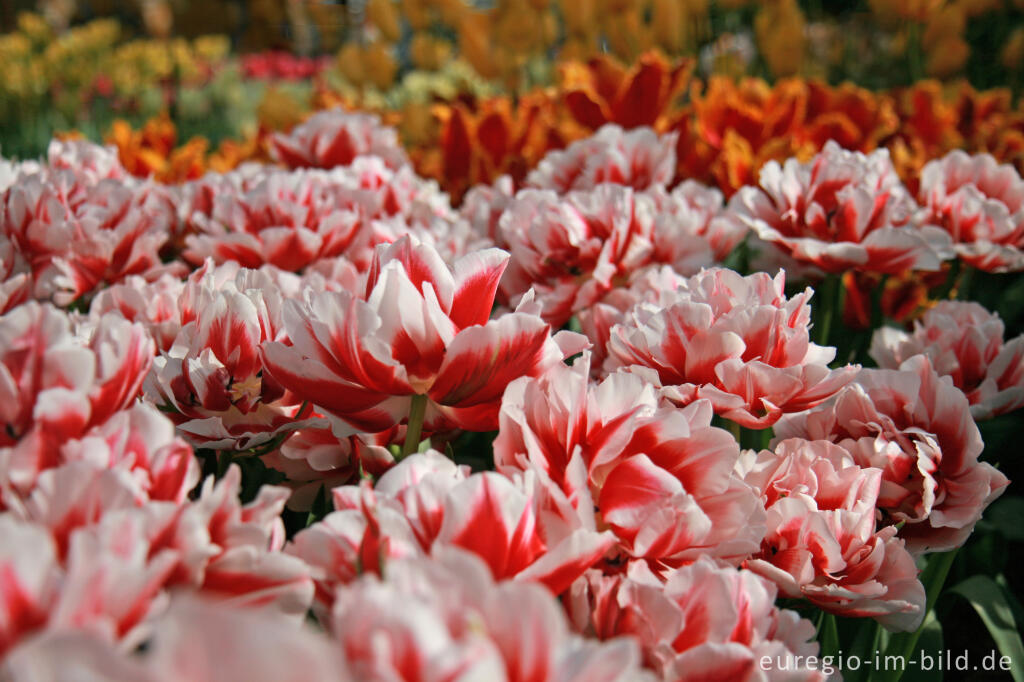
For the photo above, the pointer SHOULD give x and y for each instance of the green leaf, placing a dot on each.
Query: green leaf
(904, 644)
(1006, 515)
(829, 636)
(859, 637)
(991, 604)
(931, 642)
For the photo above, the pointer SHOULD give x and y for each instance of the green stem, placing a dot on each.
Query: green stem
(877, 314)
(224, 459)
(963, 289)
(914, 51)
(831, 303)
(951, 279)
(414, 428)
(904, 644)
(829, 636)
(735, 430)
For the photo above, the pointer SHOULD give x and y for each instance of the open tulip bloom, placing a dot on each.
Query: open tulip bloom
(311, 421)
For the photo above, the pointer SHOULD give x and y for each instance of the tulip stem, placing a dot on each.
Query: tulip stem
(736, 431)
(933, 577)
(831, 302)
(952, 277)
(963, 287)
(414, 428)
(914, 51)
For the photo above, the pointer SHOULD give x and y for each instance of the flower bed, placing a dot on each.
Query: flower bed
(603, 419)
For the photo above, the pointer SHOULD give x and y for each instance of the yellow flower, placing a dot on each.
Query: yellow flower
(451, 11)
(948, 57)
(34, 27)
(212, 48)
(576, 49)
(14, 46)
(627, 35)
(668, 21)
(475, 44)
(416, 13)
(943, 43)
(417, 123)
(350, 64)
(892, 12)
(1013, 51)
(779, 29)
(429, 53)
(947, 22)
(380, 64)
(517, 30)
(580, 17)
(385, 17)
(278, 110)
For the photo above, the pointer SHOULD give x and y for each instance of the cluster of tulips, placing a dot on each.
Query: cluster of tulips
(725, 129)
(510, 430)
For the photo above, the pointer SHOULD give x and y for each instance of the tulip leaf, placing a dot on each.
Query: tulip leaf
(990, 602)
(1006, 515)
(930, 640)
(829, 636)
(903, 645)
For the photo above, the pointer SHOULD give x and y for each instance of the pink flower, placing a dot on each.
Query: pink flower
(15, 276)
(10, 171)
(638, 158)
(28, 579)
(736, 341)
(697, 209)
(106, 585)
(965, 342)
(78, 229)
(196, 639)
(336, 138)
(292, 219)
(707, 622)
(980, 203)
(421, 328)
(426, 502)
(71, 655)
(153, 304)
(202, 640)
(212, 381)
(841, 210)
(917, 428)
(659, 477)
(313, 458)
(484, 205)
(92, 161)
(574, 249)
(128, 460)
(822, 543)
(448, 619)
(840, 563)
(102, 528)
(55, 386)
(233, 551)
